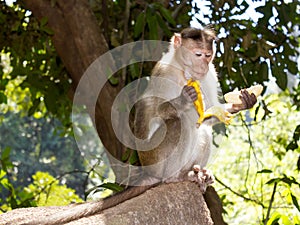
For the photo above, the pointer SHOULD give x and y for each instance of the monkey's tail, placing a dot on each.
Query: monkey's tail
(77, 211)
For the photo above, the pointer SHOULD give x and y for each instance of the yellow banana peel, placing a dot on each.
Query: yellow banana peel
(216, 111)
(220, 113)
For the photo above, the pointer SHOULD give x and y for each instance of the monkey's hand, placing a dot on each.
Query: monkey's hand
(215, 111)
(248, 101)
(244, 99)
(189, 94)
(198, 101)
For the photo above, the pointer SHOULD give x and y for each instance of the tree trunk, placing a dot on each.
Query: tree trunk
(78, 41)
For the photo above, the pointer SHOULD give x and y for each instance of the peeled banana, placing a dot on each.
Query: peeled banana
(216, 111)
(199, 102)
(234, 96)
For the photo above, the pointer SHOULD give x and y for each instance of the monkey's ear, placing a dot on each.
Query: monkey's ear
(176, 40)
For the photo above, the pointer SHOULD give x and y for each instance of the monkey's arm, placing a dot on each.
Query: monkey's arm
(173, 108)
(168, 111)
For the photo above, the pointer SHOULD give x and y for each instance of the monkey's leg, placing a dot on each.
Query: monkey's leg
(202, 177)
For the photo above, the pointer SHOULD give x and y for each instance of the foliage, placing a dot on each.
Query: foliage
(251, 49)
(50, 192)
(262, 180)
(152, 18)
(260, 185)
(129, 21)
(146, 19)
(45, 190)
(41, 146)
(17, 197)
(36, 72)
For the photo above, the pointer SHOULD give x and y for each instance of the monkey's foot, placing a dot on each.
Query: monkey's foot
(202, 177)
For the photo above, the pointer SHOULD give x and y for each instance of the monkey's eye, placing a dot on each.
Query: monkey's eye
(199, 54)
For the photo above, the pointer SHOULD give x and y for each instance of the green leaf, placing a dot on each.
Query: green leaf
(139, 25)
(2, 174)
(265, 171)
(44, 27)
(134, 70)
(13, 203)
(163, 25)
(50, 100)
(47, 30)
(289, 180)
(34, 106)
(266, 10)
(114, 80)
(252, 51)
(274, 219)
(152, 24)
(247, 68)
(263, 73)
(280, 75)
(285, 220)
(6, 184)
(296, 135)
(295, 202)
(134, 158)
(166, 14)
(126, 155)
(3, 98)
(292, 146)
(112, 186)
(3, 83)
(5, 154)
(294, 143)
(274, 180)
(44, 21)
(292, 67)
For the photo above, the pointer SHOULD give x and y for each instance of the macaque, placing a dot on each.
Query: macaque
(185, 149)
(171, 146)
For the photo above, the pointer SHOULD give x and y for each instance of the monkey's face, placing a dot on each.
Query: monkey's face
(196, 58)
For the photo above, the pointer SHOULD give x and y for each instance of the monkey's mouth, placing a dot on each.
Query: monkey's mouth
(198, 75)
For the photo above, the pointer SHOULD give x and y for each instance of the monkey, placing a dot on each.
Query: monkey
(170, 146)
(185, 150)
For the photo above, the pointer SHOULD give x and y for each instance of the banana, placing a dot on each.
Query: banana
(216, 111)
(234, 96)
(199, 102)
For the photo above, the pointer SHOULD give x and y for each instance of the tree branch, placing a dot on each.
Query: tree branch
(240, 195)
(271, 202)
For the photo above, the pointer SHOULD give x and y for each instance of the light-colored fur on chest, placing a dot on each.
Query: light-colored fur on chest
(182, 144)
